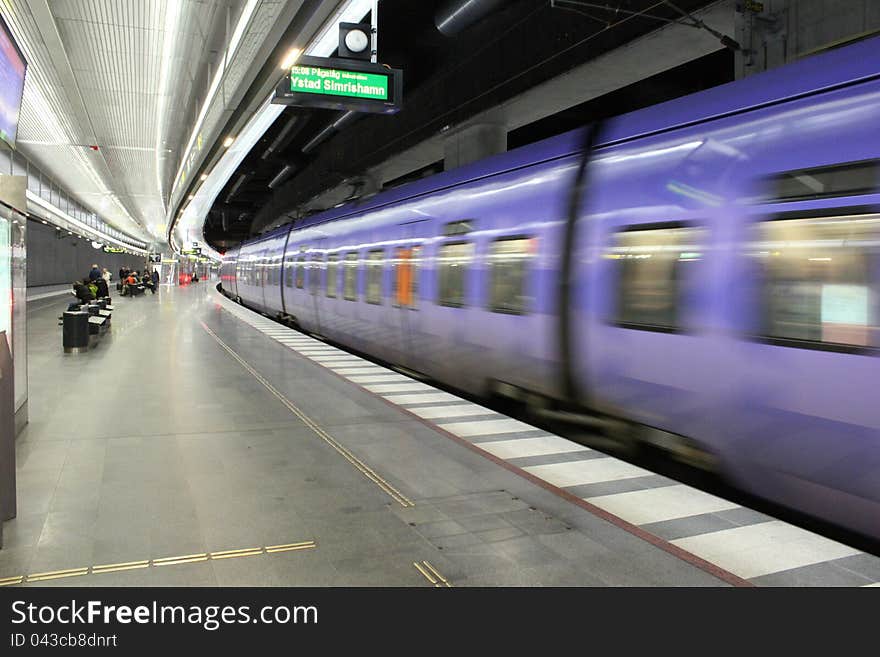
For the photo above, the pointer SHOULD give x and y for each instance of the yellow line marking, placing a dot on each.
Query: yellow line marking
(366, 470)
(232, 554)
(436, 573)
(147, 563)
(57, 574)
(116, 567)
(425, 573)
(187, 558)
(272, 549)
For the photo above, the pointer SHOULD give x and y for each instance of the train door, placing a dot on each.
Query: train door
(808, 421)
(288, 265)
(263, 271)
(405, 272)
(316, 281)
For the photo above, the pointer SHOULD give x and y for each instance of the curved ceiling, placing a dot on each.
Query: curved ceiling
(145, 81)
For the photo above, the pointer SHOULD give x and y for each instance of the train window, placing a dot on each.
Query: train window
(332, 269)
(405, 279)
(416, 266)
(453, 261)
(300, 276)
(851, 179)
(508, 264)
(315, 273)
(375, 260)
(651, 267)
(349, 280)
(289, 269)
(816, 276)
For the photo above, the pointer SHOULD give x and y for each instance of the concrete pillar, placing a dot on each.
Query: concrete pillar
(12, 193)
(776, 32)
(473, 142)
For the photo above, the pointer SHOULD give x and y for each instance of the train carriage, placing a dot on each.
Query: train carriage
(723, 285)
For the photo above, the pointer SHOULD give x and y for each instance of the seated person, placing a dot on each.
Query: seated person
(147, 282)
(83, 294)
(103, 288)
(127, 284)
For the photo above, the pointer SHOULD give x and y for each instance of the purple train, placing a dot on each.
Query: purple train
(711, 282)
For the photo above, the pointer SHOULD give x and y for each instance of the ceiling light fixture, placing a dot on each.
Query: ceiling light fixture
(231, 48)
(228, 142)
(290, 58)
(169, 41)
(323, 45)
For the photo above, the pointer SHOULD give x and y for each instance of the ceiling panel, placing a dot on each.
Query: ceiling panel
(129, 76)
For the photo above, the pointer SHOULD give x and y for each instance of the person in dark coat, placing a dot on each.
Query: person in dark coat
(147, 282)
(103, 289)
(94, 273)
(82, 292)
(155, 277)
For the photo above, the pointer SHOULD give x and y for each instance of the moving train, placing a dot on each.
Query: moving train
(703, 273)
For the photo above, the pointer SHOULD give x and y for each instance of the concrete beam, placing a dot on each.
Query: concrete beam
(659, 51)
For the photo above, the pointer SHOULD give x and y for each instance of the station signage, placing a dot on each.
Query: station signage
(113, 249)
(341, 84)
(338, 82)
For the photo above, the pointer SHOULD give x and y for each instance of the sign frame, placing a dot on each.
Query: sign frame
(285, 96)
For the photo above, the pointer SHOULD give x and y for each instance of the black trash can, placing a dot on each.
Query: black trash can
(76, 331)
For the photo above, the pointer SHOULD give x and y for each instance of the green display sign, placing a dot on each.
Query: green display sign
(341, 84)
(338, 82)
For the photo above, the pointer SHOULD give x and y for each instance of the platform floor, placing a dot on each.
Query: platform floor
(205, 445)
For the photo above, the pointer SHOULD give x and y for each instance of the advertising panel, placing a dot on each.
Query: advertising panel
(12, 70)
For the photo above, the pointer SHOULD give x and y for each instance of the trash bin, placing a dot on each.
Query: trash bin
(76, 331)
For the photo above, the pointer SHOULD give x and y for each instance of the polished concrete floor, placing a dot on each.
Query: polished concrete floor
(159, 444)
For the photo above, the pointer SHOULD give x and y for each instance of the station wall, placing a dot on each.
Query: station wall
(54, 261)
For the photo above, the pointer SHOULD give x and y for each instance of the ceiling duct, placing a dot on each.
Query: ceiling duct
(238, 183)
(336, 126)
(282, 137)
(283, 175)
(457, 15)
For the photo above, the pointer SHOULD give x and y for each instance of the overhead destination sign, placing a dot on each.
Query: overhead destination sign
(341, 84)
(336, 82)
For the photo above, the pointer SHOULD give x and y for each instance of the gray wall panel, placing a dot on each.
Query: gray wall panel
(54, 261)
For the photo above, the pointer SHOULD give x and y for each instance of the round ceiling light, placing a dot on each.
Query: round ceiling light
(357, 41)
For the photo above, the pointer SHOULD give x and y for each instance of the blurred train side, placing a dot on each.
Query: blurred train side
(676, 236)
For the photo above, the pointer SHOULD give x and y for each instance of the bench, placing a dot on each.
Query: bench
(84, 326)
